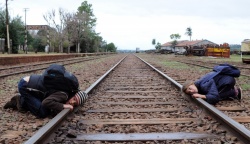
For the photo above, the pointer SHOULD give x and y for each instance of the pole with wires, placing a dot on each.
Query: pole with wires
(25, 45)
(7, 28)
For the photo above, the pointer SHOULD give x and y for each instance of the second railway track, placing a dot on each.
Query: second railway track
(134, 104)
(31, 67)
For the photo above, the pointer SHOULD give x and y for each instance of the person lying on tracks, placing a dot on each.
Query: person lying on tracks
(48, 93)
(216, 85)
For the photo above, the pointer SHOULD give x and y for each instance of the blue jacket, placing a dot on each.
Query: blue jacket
(208, 87)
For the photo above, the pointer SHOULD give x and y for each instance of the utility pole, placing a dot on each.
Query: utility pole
(7, 28)
(25, 46)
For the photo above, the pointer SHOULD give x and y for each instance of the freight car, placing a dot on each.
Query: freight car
(195, 50)
(222, 50)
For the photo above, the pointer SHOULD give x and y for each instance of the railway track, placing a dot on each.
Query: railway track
(17, 127)
(13, 70)
(134, 103)
(209, 65)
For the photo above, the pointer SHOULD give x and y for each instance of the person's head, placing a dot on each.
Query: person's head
(189, 87)
(79, 99)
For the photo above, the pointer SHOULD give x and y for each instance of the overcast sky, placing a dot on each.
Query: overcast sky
(134, 23)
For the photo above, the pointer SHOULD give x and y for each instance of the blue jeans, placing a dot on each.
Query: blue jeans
(30, 102)
(225, 85)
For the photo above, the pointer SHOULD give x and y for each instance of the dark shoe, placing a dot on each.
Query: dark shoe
(11, 104)
(18, 104)
(239, 93)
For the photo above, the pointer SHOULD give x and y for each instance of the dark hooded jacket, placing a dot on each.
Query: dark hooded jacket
(36, 87)
(52, 99)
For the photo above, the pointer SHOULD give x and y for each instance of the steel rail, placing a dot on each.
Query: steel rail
(46, 132)
(209, 67)
(44, 67)
(236, 128)
(179, 86)
(241, 67)
(239, 130)
(79, 56)
(49, 62)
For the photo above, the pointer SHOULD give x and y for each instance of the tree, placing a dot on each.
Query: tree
(16, 31)
(2, 23)
(189, 32)
(111, 47)
(89, 24)
(96, 42)
(50, 18)
(103, 46)
(73, 30)
(37, 44)
(175, 37)
(153, 42)
(86, 8)
(158, 46)
(40, 41)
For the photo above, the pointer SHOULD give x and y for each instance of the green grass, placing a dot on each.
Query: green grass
(245, 86)
(238, 58)
(245, 56)
(181, 66)
(233, 58)
(200, 69)
(175, 65)
(13, 81)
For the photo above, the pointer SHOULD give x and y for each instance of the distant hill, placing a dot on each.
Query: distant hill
(235, 47)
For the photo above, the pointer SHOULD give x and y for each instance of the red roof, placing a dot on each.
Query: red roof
(170, 43)
(184, 43)
(188, 43)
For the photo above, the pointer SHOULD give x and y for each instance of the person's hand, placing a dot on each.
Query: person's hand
(196, 95)
(68, 106)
